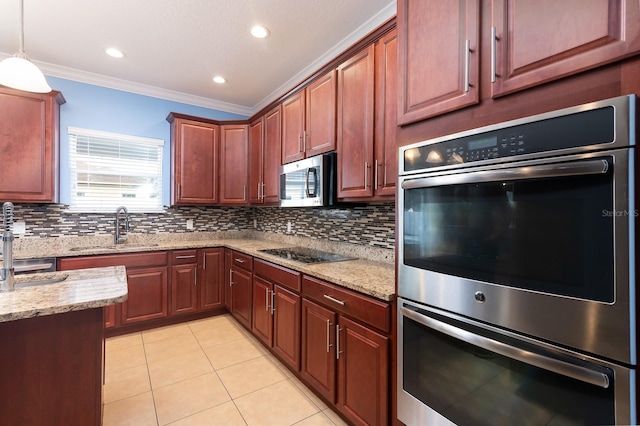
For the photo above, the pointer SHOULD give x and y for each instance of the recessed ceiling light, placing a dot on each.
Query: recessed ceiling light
(114, 53)
(219, 79)
(259, 31)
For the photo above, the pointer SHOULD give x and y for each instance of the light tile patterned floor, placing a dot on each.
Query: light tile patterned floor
(205, 372)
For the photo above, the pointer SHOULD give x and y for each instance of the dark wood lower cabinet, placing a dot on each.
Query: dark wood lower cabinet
(262, 322)
(162, 285)
(363, 373)
(318, 366)
(184, 289)
(346, 361)
(241, 292)
(147, 298)
(52, 369)
(212, 279)
(286, 326)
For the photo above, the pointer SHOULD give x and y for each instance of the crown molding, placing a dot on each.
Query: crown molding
(383, 16)
(157, 92)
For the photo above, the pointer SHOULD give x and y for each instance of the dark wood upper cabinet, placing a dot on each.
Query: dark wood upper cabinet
(265, 158)
(539, 41)
(309, 120)
(320, 132)
(438, 57)
(293, 127)
(385, 168)
(29, 142)
(256, 157)
(234, 157)
(194, 161)
(272, 158)
(355, 125)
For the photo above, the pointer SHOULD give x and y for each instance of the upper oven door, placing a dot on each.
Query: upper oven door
(528, 246)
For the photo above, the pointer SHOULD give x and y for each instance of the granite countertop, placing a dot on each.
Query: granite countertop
(372, 273)
(79, 290)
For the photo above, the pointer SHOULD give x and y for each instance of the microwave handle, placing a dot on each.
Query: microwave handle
(546, 363)
(312, 170)
(574, 168)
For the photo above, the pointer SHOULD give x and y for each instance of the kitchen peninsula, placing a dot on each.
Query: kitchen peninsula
(52, 339)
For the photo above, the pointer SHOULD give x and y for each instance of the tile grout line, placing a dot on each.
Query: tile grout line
(219, 378)
(153, 395)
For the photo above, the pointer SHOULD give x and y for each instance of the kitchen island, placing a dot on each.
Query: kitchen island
(52, 341)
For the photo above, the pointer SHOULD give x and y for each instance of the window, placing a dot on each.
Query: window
(108, 170)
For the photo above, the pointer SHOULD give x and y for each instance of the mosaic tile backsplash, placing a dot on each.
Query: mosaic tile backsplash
(370, 225)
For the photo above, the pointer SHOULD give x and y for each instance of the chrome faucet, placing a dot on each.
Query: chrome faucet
(119, 239)
(7, 277)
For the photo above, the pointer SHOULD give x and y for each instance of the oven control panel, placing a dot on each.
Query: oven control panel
(584, 128)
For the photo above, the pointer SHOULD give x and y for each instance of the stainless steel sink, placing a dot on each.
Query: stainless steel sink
(119, 247)
(39, 279)
(130, 246)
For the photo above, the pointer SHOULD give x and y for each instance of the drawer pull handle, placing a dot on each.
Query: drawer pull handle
(191, 256)
(333, 299)
(240, 260)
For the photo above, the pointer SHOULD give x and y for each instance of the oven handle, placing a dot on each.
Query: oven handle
(563, 368)
(574, 168)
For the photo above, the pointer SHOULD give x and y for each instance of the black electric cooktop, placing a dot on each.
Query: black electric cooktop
(306, 255)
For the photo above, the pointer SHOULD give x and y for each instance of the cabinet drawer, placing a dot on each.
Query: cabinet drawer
(277, 274)
(241, 260)
(348, 302)
(182, 257)
(138, 260)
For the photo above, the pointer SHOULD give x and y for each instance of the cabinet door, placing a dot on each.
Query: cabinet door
(272, 156)
(262, 321)
(540, 41)
(320, 132)
(147, 295)
(234, 154)
(438, 56)
(286, 326)
(355, 125)
(363, 373)
(385, 168)
(292, 128)
(256, 155)
(109, 313)
(318, 367)
(195, 162)
(184, 289)
(228, 280)
(241, 295)
(212, 279)
(29, 146)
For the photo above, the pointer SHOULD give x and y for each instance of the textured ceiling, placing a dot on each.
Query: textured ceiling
(174, 47)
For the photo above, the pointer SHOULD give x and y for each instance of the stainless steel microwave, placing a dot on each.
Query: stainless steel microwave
(311, 182)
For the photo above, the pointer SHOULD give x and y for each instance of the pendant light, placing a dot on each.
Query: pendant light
(18, 72)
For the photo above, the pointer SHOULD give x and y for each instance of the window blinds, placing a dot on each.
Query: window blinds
(110, 170)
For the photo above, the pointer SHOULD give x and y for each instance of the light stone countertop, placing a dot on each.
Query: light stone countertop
(81, 289)
(372, 273)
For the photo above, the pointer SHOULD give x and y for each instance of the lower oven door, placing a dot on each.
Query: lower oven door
(452, 370)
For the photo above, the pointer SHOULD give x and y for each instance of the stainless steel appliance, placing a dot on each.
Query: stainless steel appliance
(516, 271)
(311, 182)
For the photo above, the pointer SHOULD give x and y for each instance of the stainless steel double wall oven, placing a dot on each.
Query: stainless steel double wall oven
(516, 271)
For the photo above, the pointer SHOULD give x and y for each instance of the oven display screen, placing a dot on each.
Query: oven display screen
(483, 143)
